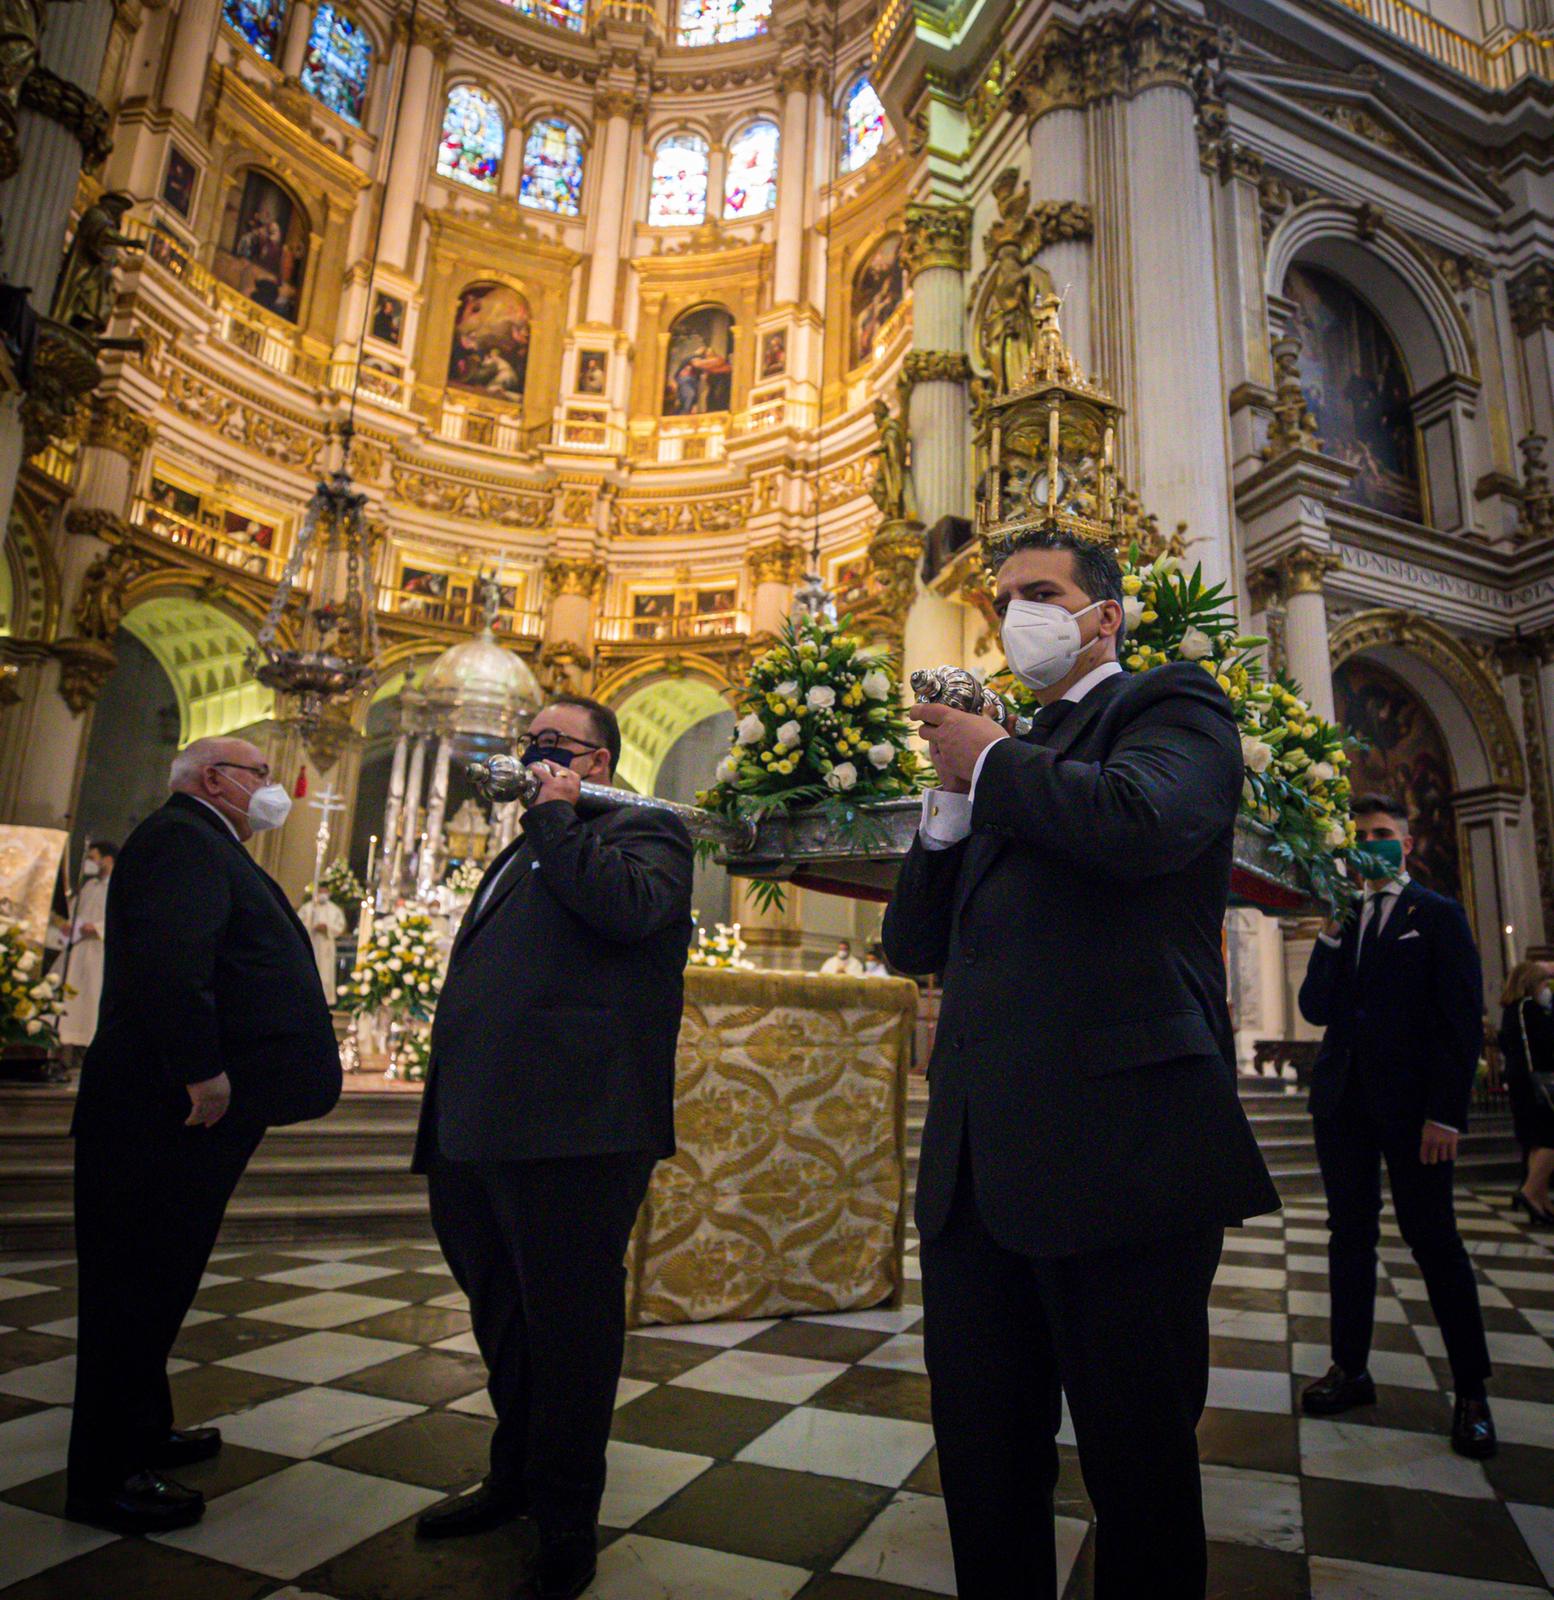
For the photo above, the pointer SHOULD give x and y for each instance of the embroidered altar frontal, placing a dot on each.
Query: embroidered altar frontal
(787, 1194)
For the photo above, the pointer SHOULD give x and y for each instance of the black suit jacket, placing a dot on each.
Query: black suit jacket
(207, 969)
(556, 1028)
(1084, 1050)
(1407, 1027)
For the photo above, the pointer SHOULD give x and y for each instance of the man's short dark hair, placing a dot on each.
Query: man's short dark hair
(104, 847)
(602, 723)
(1390, 805)
(1096, 568)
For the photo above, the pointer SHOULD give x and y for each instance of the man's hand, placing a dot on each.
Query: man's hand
(1437, 1144)
(1332, 929)
(208, 1101)
(560, 783)
(955, 740)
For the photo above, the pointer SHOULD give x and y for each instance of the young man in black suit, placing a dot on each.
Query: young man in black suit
(1401, 995)
(213, 1027)
(1084, 1148)
(549, 1101)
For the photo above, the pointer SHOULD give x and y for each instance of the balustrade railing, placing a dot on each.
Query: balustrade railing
(680, 628)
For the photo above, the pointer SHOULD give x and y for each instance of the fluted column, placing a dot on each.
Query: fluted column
(299, 30)
(36, 202)
(793, 83)
(436, 810)
(410, 821)
(188, 61)
(613, 159)
(1060, 164)
(573, 586)
(1310, 661)
(394, 806)
(774, 569)
(428, 48)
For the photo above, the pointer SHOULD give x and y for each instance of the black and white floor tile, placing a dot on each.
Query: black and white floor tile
(773, 1460)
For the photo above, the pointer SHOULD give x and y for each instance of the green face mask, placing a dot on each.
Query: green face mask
(1378, 858)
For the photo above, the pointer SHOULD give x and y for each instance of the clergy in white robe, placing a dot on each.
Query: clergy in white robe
(79, 941)
(325, 922)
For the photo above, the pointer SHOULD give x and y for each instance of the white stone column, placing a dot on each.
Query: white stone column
(1183, 473)
(613, 157)
(774, 569)
(394, 806)
(407, 172)
(188, 61)
(436, 810)
(1305, 627)
(411, 818)
(1060, 151)
(511, 174)
(793, 83)
(36, 202)
(299, 29)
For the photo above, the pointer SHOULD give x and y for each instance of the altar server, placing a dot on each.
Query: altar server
(79, 938)
(549, 1099)
(1084, 1147)
(326, 926)
(213, 1027)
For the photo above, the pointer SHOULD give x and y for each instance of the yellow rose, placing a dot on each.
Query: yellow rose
(1132, 583)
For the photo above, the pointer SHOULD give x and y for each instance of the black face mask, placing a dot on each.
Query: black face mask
(560, 757)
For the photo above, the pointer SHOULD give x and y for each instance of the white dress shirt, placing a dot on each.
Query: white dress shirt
(947, 817)
(220, 813)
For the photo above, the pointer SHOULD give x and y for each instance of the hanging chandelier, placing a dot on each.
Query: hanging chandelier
(337, 643)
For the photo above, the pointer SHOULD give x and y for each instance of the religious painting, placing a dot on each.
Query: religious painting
(490, 350)
(1405, 756)
(592, 371)
(879, 286)
(774, 353)
(264, 245)
(423, 593)
(388, 318)
(248, 541)
(652, 615)
(178, 181)
(182, 503)
(1357, 390)
(699, 370)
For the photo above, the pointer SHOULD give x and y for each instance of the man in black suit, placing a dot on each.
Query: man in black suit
(549, 1100)
(1084, 1147)
(213, 1027)
(1401, 995)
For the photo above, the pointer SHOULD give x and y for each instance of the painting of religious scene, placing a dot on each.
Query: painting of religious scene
(1357, 391)
(774, 353)
(264, 245)
(178, 181)
(1405, 757)
(699, 371)
(388, 318)
(652, 616)
(879, 286)
(592, 369)
(490, 350)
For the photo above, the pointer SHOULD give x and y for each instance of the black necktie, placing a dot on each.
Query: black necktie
(1047, 719)
(1372, 931)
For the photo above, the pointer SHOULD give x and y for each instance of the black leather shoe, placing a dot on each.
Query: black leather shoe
(565, 1566)
(476, 1512)
(1337, 1392)
(1473, 1430)
(145, 1502)
(185, 1446)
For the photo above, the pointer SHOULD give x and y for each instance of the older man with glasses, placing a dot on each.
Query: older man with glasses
(549, 1100)
(213, 1027)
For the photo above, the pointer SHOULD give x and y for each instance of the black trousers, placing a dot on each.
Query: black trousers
(149, 1201)
(1125, 1333)
(1351, 1145)
(540, 1247)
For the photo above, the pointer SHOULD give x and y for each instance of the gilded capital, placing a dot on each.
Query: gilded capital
(1304, 571)
(1532, 298)
(775, 562)
(564, 575)
(427, 32)
(797, 75)
(933, 366)
(614, 103)
(113, 426)
(937, 236)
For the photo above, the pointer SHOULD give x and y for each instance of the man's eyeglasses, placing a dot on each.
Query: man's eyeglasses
(552, 741)
(258, 772)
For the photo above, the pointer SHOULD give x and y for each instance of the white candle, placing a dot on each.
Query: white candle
(372, 854)
(1510, 946)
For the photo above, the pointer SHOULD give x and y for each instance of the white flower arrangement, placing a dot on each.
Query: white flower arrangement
(465, 878)
(30, 1006)
(726, 949)
(400, 971)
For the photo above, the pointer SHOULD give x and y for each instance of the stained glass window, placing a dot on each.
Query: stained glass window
(863, 125)
(259, 22)
(571, 14)
(751, 185)
(718, 21)
(679, 194)
(553, 167)
(472, 138)
(336, 65)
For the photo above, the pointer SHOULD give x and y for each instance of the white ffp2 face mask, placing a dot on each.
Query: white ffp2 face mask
(268, 807)
(1041, 640)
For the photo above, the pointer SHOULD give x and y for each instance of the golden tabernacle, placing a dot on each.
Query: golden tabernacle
(787, 1194)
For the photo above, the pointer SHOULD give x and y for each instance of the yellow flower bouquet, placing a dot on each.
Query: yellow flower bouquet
(30, 1003)
(400, 970)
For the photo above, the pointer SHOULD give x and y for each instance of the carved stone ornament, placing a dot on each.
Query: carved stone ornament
(113, 426)
(1293, 427)
(21, 27)
(1304, 571)
(1535, 516)
(99, 608)
(566, 575)
(775, 562)
(892, 489)
(64, 373)
(936, 236)
(563, 667)
(894, 556)
(84, 667)
(932, 366)
(74, 109)
(1532, 299)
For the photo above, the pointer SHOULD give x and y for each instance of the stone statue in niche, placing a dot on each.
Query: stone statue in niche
(84, 298)
(1013, 285)
(891, 489)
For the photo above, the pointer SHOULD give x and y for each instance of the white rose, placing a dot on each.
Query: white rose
(882, 754)
(876, 684)
(821, 698)
(1132, 611)
(750, 729)
(1255, 755)
(842, 776)
(395, 964)
(27, 962)
(1195, 645)
(1335, 835)
(41, 991)
(1323, 772)
(727, 768)
(788, 689)
(35, 1027)
(394, 994)
(790, 735)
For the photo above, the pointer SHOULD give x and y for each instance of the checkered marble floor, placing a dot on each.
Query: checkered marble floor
(767, 1460)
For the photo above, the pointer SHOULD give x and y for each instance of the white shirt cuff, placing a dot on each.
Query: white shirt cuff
(946, 819)
(976, 771)
(1329, 941)
(1432, 1123)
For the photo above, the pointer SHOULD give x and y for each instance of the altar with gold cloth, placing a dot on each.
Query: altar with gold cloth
(788, 1191)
